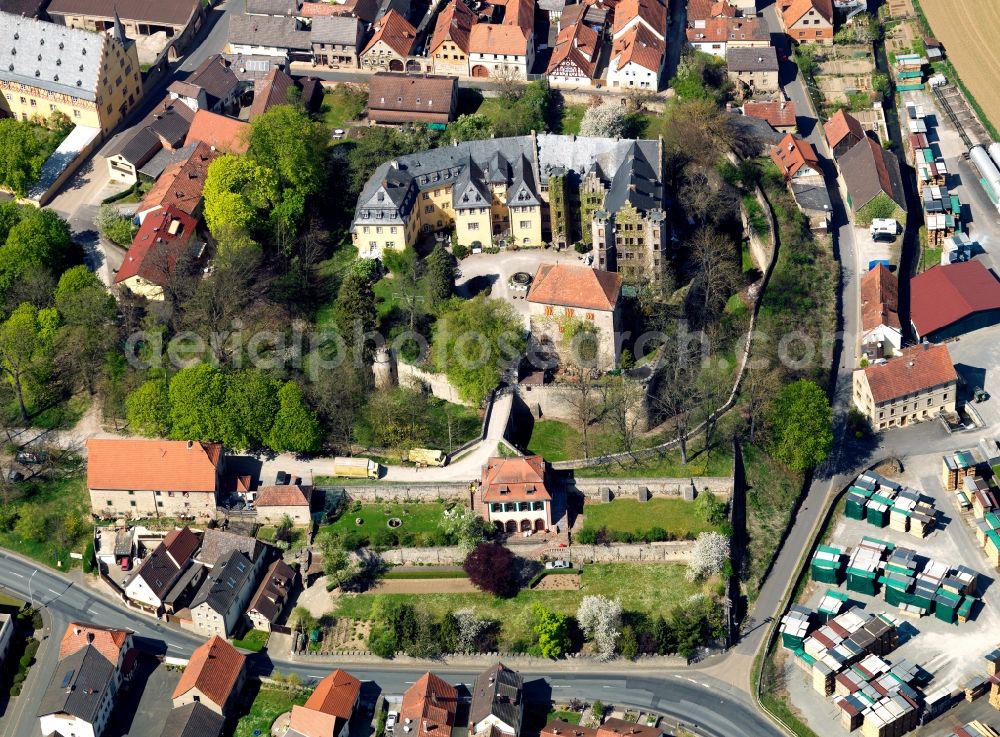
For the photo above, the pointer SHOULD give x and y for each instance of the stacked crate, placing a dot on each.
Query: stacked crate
(832, 604)
(942, 214)
(795, 626)
(865, 564)
(881, 701)
(854, 505)
(923, 519)
(955, 467)
(842, 642)
(827, 564)
(974, 729)
(898, 576)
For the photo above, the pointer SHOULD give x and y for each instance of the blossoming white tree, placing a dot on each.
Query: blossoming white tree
(607, 120)
(600, 618)
(709, 556)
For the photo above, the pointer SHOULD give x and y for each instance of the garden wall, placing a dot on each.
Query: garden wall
(721, 486)
(511, 660)
(761, 249)
(437, 384)
(554, 401)
(415, 492)
(665, 552)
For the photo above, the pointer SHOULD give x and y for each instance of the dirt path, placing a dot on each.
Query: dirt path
(425, 586)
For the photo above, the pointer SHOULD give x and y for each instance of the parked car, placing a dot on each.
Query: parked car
(126, 563)
(390, 721)
(282, 478)
(555, 564)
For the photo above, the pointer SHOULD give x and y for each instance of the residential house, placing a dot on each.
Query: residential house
(216, 545)
(336, 40)
(949, 300)
(269, 36)
(881, 332)
(275, 8)
(700, 12)
(807, 21)
(6, 631)
(514, 495)
(719, 34)
(25, 8)
(164, 128)
(395, 98)
(651, 14)
(796, 158)
(429, 707)
(449, 46)
(274, 503)
(497, 703)
(920, 384)
(779, 114)
(328, 710)
(364, 10)
(574, 56)
(218, 607)
(152, 478)
(562, 292)
(507, 47)
(92, 78)
(149, 586)
(193, 720)
(93, 663)
(870, 171)
(273, 90)
(181, 185)
(213, 86)
(843, 132)
(213, 677)
(392, 42)
(268, 602)
(156, 24)
(753, 70)
(167, 236)
(226, 135)
(637, 59)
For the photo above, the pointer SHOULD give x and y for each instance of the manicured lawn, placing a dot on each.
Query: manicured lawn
(63, 507)
(570, 717)
(570, 119)
(416, 517)
(255, 641)
(929, 257)
(342, 105)
(676, 516)
(653, 589)
(270, 704)
(555, 441)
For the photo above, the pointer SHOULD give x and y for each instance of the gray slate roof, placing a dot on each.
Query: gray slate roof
(216, 76)
(159, 571)
(50, 56)
(217, 544)
(255, 30)
(497, 691)
(336, 29)
(811, 194)
(78, 684)
(164, 158)
(869, 169)
(192, 720)
(273, 7)
(223, 586)
(752, 60)
(636, 182)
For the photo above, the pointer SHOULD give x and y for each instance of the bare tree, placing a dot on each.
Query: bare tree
(509, 82)
(717, 276)
(677, 394)
(623, 410)
(585, 400)
(759, 388)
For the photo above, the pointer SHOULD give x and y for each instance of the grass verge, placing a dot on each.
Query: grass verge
(52, 521)
(269, 704)
(676, 516)
(254, 641)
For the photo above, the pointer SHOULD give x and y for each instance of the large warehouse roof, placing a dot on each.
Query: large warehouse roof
(943, 295)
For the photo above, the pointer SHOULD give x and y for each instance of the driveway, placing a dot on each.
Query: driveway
(143, 709)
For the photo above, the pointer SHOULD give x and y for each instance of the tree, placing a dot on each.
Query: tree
(473, 127)
(629, 646)
(552, 631)
(440, 266)
(709, 508)
(759, 388)
(25, 346)
(600, 618)
(40, 240)
(251, 407)
(623, 405)
(491, 567)
(664, 637)
(147, 409)
(800, 425)
(88, 315)
(675, 395)
(465, 526)
(338, 394)
(355, 309)
(296, 428)
(708, 556)
(114, 226)
(197, 403)
(585, 401)
(21, 155)
(718, 276)
(32, 527)
(237, 193)
(607, 120)
(475, 340)
(470, 629)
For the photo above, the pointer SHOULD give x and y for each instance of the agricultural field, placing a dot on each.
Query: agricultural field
(968, 29)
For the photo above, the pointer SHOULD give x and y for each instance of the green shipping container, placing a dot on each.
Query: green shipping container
(965, 610)
(855, 507)
(878, 515)
(944, 613)
(909, 87)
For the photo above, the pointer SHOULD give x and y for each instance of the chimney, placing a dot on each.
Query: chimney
(77, 631)
(760, 59)
(190, 444)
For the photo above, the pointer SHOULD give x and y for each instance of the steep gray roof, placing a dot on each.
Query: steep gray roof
(273, 7)
(336, 29)
(50, 56)
(164, 158)
(764, 59)
(521, 192)
(497, 691)
(217, 544)
(78, 685)
(230, 576)
(256, 30)
(470, 191)
(636, 182)
(192, 720)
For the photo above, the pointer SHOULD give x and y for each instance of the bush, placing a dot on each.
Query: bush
(459, 251)
(89, 558)
(581, 247)
(114, 226)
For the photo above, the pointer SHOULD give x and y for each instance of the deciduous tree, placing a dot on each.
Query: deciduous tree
(147, 409)
(552, 631)
(295, 427)
(491, 567)
(708, 556)
(600, 618)
(800, 425)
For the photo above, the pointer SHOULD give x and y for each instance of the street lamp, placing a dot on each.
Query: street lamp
(30, 597)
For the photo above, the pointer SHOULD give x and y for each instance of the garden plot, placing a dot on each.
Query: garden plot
(839, 89)
(844, 66)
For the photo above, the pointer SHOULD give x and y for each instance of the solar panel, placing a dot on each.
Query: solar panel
(67, 679)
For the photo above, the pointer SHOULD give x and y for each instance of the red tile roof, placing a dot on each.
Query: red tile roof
(779, 113)
(917, 369)
(272, 91)
(429, 705)
(943, 295)
(181, 184)
(164, 237)
(511, 36)
(879, 299)
(315, 10)
(396, 32)
(568, 285)
(559, 728)
(309, 723)
(621, 728)
(335, 695)
(152, 465)
(108, 642)
(726, 29)
(842, 124)
(222, 133)
(291, 495)
(793, 153)
(793, 13)
(455, 23)
(652, 12)
(213, 669)
(515, 479)
(181, 545)
(576, 43)
(638, 45)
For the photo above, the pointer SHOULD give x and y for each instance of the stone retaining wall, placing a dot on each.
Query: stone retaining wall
(721, 486)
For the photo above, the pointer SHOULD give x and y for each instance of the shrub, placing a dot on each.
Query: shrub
(582, 247)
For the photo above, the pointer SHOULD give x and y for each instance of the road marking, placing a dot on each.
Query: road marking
(16, 574)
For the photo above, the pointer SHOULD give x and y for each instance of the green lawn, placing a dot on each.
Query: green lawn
(570, 118)
(554, 440)
(54, 520)
(416, 517)
(570, 717)
(270, 704)
(254, 641)
(343, 105)
(929, 257)
(676, 516)
(652, 589)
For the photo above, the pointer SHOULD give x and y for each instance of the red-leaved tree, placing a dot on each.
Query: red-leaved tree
(491, 568)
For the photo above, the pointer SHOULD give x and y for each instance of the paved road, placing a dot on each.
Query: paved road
(694, 698)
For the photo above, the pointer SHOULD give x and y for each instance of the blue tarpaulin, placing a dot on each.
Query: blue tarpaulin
(885, 262)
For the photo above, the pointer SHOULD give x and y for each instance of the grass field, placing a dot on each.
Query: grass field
(53, 521)
(653, 589)
(342, 105)
(969, 29)
(570, 118)
(416, 517)
(270, 704)
(254, 641)
(676, 516)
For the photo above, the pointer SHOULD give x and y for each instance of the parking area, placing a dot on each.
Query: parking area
(949, 653)
(977, 359)
(492, 272)
(143, 709)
